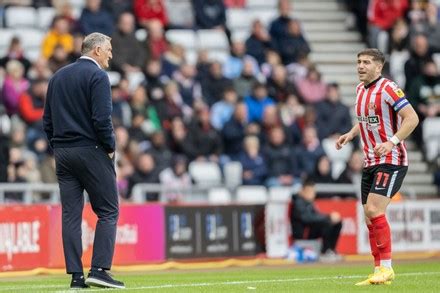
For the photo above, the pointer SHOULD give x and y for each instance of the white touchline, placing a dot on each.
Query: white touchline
(167, 286)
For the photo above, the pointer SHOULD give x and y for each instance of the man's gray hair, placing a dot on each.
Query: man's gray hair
(93, 40)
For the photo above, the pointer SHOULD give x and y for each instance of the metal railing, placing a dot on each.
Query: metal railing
(196, 193)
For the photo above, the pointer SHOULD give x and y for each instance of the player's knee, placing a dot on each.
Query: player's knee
(371, 211)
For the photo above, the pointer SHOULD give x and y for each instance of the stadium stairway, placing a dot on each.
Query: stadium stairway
(334, 49)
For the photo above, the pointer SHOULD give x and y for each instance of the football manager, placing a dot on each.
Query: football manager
(77, 121)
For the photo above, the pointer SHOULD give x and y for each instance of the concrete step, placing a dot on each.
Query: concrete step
(418, 167)
(333, 58)
(348, 90)
(415, 156)
(320, 15)
(316, 6)
(342, 79)
(419, 179)
(420, 189)
(350, 48)
(323, 26)
(333, 37)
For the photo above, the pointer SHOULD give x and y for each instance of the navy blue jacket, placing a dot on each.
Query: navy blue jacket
(78, 107)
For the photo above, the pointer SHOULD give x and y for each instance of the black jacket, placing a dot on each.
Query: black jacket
(304, 214)
(79, 106)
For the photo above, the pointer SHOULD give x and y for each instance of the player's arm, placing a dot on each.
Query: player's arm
(410, 120)
(347, 137)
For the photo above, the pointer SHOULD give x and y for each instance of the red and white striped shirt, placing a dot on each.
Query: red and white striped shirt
(377, 106)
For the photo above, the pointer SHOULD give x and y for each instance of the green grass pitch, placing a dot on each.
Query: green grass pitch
(410, 277)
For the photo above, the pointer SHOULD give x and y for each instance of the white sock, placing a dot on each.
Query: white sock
(385, 263)
(376, 269)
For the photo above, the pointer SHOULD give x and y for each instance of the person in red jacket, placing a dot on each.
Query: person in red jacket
(382, 14)
(148, 10)
(31, 103)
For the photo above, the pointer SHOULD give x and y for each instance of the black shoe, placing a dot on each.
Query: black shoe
(78, 283)
(101, 278)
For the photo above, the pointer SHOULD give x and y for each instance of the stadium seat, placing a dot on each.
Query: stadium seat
(78, 3)
(18, 16)
(280, 193)
(180, 13)
(33, 54)
(431, 138)
(233, 173)
(238, 19)
(339, 158)
(5, 37)
(219, 195)
(265, 16)
(436, 58)
(45, 17)
(185, 38)
(114, 77)
(141, 34)
(259, 4)
(218, 55)
(251, 194)
(191, 57)
(212, 40)
(397, 66)
(205, 173)
(30, 38)
(240, 35)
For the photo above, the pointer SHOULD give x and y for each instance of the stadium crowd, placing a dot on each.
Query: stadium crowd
(266, 106)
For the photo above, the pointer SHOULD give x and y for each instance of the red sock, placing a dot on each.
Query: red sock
(374, 249)
(383, 236)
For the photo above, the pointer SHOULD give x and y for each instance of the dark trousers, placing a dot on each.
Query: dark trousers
(328, 232)
(88, 168)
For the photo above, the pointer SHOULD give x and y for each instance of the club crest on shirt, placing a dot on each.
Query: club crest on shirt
(372, 106)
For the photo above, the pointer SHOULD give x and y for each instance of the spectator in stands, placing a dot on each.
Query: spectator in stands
(323, 171)
(246, 81)
(148, 10)
(189, 87)
(279, 87)
(205, 142)
(420, 54)
(432, 26)
(117, 7)
(291, 110)
(154, 80)
(172, 59)
(300, 68)
(293, 44)
(128, 54)
(14, 86)
(281, 160)
(203, 64)
(308, 223)
(124, 170)
(271, 119)
(424, 95)
(155, 44)
(31, 103)
(145, 172)
(173, 105)
(96, 19)
(399, 36)
(59, 59)
(77, 44)
(141, 105)
(139, 129)
(59, 34)
(222, 111)
(311, 88)
(309, 151)
(279, 26)
(214, 84)
(332, 116)
(39, 69)
(234, 131)
(253, 162)
(353, 171)
(233, 66)
(210, 14)
(15, 52)
(258, 42)
(257, 102)
(65, 10)
(160, 151)
(178, 135)
(382, 15)
(5, 129)
(176, 180)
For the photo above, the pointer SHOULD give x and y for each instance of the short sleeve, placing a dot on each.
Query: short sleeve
(395, 97)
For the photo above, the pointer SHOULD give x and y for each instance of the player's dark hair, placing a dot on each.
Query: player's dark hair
(373, 52)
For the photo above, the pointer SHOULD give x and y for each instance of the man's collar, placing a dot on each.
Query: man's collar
(91, 59)
(373, 82)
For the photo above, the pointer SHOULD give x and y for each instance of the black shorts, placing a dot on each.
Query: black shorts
(383, 179)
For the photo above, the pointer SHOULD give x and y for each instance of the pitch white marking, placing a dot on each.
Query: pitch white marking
(231, 283)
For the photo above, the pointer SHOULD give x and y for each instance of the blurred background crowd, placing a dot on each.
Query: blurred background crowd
(263, 104)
